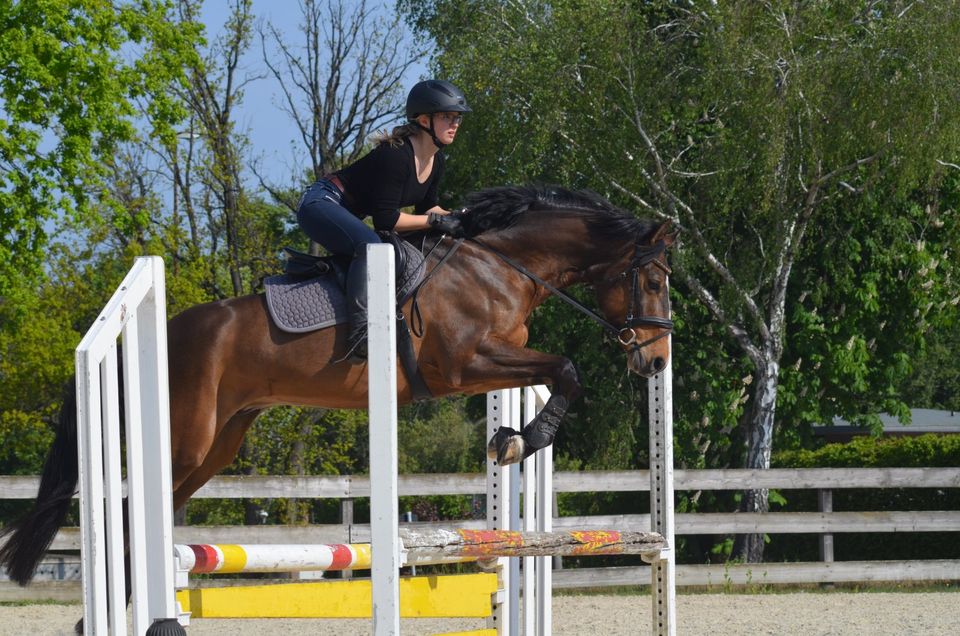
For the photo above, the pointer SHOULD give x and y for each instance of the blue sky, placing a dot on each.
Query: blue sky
(270, 131)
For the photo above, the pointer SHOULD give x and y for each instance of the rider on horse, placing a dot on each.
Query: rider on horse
(404, 169)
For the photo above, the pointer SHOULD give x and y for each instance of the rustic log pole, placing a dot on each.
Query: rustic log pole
(442, 543)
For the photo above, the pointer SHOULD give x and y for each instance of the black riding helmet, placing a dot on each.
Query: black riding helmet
(435, 96)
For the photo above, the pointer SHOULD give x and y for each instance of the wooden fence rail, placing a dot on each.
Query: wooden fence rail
(826, 522)
(356, 486)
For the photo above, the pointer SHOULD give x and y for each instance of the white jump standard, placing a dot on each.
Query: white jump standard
(137, 312)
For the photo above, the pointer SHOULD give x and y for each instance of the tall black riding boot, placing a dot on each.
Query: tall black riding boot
(357, 306)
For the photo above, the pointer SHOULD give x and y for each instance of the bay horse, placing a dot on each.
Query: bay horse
(228, 361)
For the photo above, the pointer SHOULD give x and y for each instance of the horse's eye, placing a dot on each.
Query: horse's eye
(653, 285)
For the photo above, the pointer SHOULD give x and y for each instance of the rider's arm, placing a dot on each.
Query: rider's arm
(409, 222)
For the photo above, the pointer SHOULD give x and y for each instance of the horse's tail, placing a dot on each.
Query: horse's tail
(29, 537)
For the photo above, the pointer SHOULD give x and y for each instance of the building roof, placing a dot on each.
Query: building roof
(923, 421)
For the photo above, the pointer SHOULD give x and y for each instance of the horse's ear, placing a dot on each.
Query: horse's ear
(664, 233)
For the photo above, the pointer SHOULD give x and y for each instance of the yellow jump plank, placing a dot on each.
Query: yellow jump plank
(448, 596)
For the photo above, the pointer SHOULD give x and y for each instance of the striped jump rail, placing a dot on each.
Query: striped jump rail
(232, 559)
(208, 558)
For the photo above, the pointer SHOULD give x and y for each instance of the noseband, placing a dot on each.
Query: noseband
(643, 256)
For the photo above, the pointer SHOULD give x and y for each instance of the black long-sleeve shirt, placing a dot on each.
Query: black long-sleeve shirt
(385, 180)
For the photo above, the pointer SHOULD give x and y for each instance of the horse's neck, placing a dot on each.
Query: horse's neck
(560, 255)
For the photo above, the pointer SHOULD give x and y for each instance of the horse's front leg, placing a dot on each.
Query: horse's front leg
(507, 366)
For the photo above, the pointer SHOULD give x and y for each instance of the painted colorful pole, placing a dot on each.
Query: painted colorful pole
(484, 544)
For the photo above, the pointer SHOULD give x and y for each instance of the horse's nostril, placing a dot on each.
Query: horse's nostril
(659, 363)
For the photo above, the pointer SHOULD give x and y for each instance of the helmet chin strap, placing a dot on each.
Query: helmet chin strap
(433, 135)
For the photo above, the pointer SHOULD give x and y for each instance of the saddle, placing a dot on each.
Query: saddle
(310, 295)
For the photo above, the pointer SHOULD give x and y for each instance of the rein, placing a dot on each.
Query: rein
(642, 257)
(416, 319)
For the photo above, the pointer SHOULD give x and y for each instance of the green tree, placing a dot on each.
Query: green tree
(175, 184)
(77, 81)
(36, 358)
(71, 74)
(752, 127)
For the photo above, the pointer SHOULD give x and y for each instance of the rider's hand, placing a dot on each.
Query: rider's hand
(450, 224)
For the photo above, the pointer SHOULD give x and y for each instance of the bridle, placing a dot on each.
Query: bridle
(643, 256)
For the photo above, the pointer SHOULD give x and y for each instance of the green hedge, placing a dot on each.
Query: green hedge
(871, 452)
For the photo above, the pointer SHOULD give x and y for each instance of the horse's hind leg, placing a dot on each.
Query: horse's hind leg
(221, 453)
(195, 419)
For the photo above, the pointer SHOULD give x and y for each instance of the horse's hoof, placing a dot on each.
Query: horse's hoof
(513, 451)
(510, 447)
(506, 446)
(498, 439)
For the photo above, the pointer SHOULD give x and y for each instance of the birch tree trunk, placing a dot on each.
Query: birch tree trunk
(760, 423)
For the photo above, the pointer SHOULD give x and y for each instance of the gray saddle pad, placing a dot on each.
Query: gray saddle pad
(298, 305)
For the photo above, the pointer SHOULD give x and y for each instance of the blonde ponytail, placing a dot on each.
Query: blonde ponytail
(397, 135)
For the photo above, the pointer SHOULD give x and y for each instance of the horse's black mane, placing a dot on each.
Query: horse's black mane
(502, 207)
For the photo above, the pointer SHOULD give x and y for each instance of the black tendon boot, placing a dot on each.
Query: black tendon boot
(357, 307)
(541, 432)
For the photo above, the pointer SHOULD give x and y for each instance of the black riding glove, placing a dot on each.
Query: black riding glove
(450, 224)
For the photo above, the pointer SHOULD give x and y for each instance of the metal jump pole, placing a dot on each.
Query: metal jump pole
(662, 570)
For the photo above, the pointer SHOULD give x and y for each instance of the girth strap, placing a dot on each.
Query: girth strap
(408, 360)
(408, 356)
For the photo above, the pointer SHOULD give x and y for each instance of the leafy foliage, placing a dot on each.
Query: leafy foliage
(68, 98)
(748, 112)
(869, 452)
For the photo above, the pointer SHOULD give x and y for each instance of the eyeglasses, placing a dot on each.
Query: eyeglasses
(451, 118)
